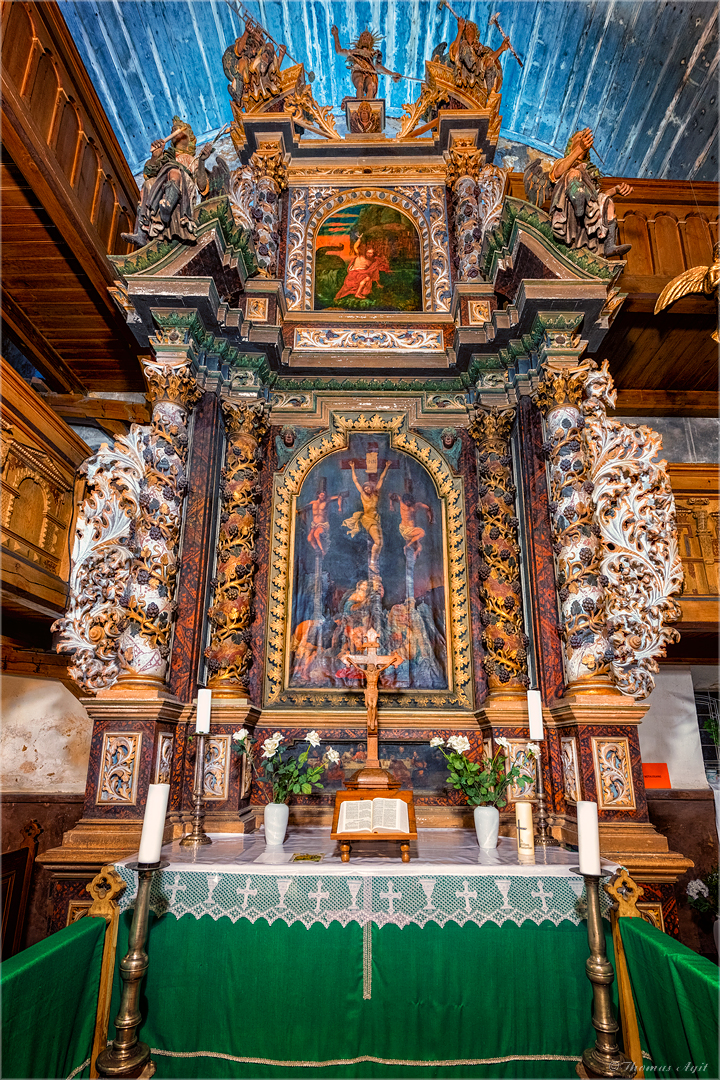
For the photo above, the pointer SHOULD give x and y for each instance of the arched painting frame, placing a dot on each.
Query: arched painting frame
(279, 693)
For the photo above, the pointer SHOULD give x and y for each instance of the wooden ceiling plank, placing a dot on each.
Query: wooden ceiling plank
(46, 359)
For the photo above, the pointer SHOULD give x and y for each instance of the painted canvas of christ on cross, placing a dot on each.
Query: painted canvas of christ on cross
(367, 258)
(368, 555)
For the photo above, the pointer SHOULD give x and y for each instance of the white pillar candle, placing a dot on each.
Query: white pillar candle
(535, 718)
(202, 719)
(524, 827)
(588, 837)
(153, 823)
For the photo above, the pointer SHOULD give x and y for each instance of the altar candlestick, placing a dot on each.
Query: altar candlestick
(524, 827)
(588, 838)
(534, 703)
(202, 719)
(151, 837)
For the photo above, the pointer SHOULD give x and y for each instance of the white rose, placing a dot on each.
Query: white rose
(437, 741)
(333, 756)
(270, 747)
(501, 741)
(459, 743)
(313, 738)
(241, 734)
(533, 749)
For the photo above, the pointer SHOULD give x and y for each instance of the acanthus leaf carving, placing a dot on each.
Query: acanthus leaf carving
(635, 511)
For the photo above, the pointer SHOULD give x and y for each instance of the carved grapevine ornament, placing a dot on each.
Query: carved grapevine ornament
(635, 511)
(503, 638)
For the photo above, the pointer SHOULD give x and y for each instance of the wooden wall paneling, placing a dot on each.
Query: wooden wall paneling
(667, 250)
(633, 228)
(697, 240)
(17, 44)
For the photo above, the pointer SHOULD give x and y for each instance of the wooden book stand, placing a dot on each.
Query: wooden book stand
(345, 839)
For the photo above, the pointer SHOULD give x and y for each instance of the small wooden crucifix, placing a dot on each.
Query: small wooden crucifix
(371, 666)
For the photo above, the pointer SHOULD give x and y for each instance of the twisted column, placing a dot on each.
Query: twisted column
(504, 638)
(269, 173)
(229, 654)
(148, 597)
(587, 650)
(477, 197)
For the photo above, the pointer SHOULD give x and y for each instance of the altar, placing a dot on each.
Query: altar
(461, 962)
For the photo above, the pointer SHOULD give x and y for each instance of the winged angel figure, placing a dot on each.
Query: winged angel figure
(698, 279)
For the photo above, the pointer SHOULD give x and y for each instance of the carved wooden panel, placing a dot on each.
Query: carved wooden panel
(119, 768)
(613, 774)
(570, 769)
(697, 503)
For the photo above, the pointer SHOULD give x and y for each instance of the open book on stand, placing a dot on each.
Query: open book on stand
(373, 816)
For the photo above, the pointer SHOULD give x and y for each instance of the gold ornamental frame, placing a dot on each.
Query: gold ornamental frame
(450, 491)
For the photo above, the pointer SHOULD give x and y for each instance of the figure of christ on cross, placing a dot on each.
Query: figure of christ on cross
(410, 531)
(371, 666)
(369, 517)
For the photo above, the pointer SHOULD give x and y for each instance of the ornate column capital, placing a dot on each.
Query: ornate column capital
(174, 384)
(463, 159)
(491, 427)
(268, 163)
(562, 386)
(245, 418)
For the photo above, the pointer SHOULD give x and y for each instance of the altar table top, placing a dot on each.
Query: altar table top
(449, 879)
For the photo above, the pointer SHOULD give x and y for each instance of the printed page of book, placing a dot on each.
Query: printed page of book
(390, 815)
(355, 816)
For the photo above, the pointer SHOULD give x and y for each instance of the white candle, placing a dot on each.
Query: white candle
(153, 823)
(202, 719)
(534, 704)
(524, 827)
(588, 837)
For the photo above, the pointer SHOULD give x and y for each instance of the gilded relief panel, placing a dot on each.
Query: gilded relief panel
(613, 777)
(119, 760)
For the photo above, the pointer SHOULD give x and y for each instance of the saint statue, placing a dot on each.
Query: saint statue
(175, 178)
(363, 272)
(368, 518)
(475, 64)
(252, 67)
(580, 213)
(364, 62)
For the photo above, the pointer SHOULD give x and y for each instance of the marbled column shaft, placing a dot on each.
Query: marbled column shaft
(148, 598)
(576, 537)
(504, 637)
(229, 654)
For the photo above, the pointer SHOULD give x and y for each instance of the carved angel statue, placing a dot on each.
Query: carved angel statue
(364, 62)
(698, 279)
(175, 179)
(581, 214)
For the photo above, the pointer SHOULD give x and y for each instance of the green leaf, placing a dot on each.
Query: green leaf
(307, 789)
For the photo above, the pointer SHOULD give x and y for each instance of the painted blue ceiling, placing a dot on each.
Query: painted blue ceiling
(642, 73)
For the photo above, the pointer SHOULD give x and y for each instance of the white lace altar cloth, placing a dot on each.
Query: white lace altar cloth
(449, 879)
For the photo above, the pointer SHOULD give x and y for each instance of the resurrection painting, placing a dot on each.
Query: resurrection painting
(368, 554)
(367, 258)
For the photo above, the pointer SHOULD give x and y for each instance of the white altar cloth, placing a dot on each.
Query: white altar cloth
(448, 879)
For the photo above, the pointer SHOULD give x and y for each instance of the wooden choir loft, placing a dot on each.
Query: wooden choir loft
(361, 421)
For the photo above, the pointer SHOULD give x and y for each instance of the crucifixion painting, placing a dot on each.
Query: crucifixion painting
(361, 566)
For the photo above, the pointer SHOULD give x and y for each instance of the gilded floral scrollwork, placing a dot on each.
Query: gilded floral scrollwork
(119, 768)
(635, 513)
(228, 654)
(504, 638)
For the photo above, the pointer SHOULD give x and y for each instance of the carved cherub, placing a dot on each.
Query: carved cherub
(581, 214)
(364, 62)
(698, 279)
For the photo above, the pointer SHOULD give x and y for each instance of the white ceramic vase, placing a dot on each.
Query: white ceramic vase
(276, 819)
(487, 825)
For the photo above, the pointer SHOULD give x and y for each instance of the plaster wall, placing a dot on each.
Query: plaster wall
(670, 730)
(44, 739)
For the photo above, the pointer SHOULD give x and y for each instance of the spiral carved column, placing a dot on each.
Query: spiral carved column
(229, 654)
(148, 598)
(477, 196)
(270, 180)
(504, 638)
(587, 650)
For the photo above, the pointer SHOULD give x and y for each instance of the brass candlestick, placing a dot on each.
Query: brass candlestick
(604, 1058)
(197, 834)
(544, 837)
(127, 1056)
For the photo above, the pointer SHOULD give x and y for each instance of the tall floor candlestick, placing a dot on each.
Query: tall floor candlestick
(197, 835)
(604, 1058)
(126, 1055)
(544, 837)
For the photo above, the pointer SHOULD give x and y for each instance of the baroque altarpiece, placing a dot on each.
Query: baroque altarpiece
(379, 401)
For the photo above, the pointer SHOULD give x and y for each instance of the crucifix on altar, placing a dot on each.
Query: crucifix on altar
(371, 665)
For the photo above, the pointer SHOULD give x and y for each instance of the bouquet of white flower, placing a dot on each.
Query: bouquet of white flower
(485, 781)
(288, 776)
(703, 893)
